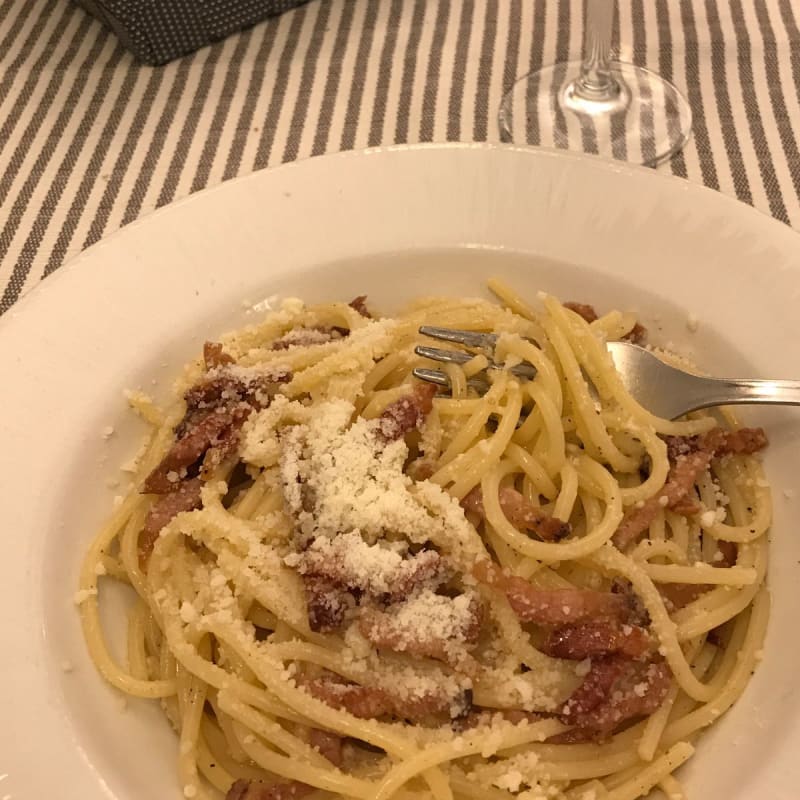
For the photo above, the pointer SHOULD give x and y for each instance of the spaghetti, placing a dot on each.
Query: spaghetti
(348, 586)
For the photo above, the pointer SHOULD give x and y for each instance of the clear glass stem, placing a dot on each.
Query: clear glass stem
(626, 112)
(595, 81)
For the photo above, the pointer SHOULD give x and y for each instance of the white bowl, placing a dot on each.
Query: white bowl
(391, 223)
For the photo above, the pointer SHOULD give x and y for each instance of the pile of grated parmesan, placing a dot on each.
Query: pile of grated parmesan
(338, 478)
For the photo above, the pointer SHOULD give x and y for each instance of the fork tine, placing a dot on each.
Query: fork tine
(431, 376)
(523, 370)
(467, 338)
(445, 356)
(440, 379)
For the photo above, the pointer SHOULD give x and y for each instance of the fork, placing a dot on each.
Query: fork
(662, 389)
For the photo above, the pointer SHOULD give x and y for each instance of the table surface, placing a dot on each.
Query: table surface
(90, 141)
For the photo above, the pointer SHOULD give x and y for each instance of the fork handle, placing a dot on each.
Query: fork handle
(708, 392)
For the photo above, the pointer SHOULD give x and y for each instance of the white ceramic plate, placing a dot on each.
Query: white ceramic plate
(391, 223)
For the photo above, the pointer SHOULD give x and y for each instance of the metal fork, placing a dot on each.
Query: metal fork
(662, 389)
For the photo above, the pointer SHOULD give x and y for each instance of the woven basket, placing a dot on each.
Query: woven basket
(157, 31)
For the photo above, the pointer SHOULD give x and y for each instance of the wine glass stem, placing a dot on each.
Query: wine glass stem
(596, 81)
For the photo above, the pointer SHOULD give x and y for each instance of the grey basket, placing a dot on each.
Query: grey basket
(157, 31)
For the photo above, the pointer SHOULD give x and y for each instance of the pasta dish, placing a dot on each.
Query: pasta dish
(350, 583)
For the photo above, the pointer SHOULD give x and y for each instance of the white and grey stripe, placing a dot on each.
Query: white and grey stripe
(90, 141)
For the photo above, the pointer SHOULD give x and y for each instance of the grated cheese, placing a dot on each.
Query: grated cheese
(338, 479)
(83, 595)
(708, 518)
(427, 615)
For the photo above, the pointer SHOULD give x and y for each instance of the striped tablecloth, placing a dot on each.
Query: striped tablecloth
(90, 141)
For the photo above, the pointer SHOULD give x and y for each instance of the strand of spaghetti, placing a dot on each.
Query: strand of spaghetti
(328, 658)
(512, 300)
(549, 447)
(363, 353)
(280, 593)
(458, 382)
(546, 378)
(701, 573)
(758, 523)
(260, 698)
(599, 444)
(470, 430)
(622, 777)
(137, 657)
(247, 502)
(573, 753)
(592, 767)
(270, 731)
(556, 678)
(145, 408)
(625, 432)
(505, 554)
(672, 788)
(656, 455)
(316, 711)
(568, 494)
(211, 768)
(323, 778)
(224, 724)
(648, 549)
(490, 451)
(192, 694)
(701, 666)
(526, 323)
(108, 533)
(657, 721)
(270, 675)
(530, 423)
(527, 567)
(380, 399)
(111, 566)
(592, 511)
(581, 791)
(251, 337)
(221, 746)
(694, 549)
(610, 559)
(214, 519)
(533, 469)
(129, 551)
(90, 620)
(723, 663)
(613, 325)
(159, 441)
(571, 548)
(599, 365)
(464, 787)
(399, 362)
(679, 530)
(652, 775)
(152, 634)
(601, 762)
(549, 578)
(302, 358)
(469, 744)
(718, 606)
(457, 407)
(744, 663)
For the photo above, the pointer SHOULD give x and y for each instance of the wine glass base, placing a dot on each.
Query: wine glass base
(644, 120)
